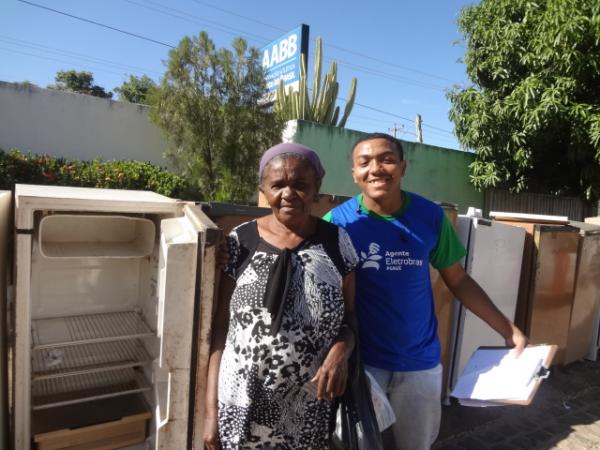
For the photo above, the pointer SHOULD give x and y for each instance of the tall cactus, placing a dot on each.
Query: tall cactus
(320, 107)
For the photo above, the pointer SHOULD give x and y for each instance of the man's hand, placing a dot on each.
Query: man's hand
(517, 340)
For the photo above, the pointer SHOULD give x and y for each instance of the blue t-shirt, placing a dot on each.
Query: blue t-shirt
(394, 298)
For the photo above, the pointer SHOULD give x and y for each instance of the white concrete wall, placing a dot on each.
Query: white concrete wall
(76, 126)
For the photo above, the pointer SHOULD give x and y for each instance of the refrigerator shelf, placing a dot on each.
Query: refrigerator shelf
(86, 329)
(88, 358)
(95, 236)
(54, 392)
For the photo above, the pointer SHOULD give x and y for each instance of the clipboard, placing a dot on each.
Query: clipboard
(494, 377)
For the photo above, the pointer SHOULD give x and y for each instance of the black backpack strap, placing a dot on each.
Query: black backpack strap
(328, 235)
(247, 234)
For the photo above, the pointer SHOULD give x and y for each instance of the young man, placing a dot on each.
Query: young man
(397, 234)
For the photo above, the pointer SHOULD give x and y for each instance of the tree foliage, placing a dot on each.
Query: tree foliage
(137, 90)
(533, 112)
(81, 82)
(207, 104)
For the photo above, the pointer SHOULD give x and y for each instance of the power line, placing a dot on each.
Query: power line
(437, 128)
(238, 15)
(171, 46)
(97, 23)
(420, 72)
(352, 52)
(386, 75)
(59, 60)
(183, 15)
(61, 52)
(398, 116)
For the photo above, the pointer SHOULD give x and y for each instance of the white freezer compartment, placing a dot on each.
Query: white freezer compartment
(494, 254)
(112, 307)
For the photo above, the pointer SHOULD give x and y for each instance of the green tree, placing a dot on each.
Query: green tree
(208, 105)
(137, 90)
(82, 82)
(320, 107)
(532, 114)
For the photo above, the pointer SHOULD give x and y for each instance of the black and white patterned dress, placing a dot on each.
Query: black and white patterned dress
(265, 395)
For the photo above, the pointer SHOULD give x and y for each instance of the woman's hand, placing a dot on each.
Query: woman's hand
(332, 375)
(211, 431)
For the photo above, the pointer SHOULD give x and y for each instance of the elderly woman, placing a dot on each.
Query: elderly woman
(284, 325)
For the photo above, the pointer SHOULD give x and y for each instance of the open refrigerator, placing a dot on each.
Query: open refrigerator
(114, 295)
(493, 260)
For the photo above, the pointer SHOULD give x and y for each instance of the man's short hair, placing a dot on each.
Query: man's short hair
(391, 139)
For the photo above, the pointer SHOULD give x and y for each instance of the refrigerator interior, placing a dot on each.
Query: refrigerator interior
(494, 255)
(110, 314)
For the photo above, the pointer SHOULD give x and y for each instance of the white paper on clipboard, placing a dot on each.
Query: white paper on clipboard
(494, 376)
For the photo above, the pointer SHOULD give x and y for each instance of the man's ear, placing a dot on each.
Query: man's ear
(404, 164)
(353, 177)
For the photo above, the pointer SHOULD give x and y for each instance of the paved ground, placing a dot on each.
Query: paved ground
(565, 414)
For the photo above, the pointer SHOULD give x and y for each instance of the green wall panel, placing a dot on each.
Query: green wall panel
(437, 173)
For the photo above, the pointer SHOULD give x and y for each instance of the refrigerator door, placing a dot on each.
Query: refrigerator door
(552, 288)
(527, 222)
(5, 239)
(183, 244)
(586, 300)
(493, 260)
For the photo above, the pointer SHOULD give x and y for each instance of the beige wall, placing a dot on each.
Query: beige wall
(76, 126)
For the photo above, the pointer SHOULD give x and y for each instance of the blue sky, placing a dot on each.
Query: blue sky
(404, 54)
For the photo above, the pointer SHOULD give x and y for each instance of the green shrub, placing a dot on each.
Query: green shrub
(17, 167)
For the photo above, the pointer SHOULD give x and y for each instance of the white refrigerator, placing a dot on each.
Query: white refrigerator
(493, 260)
(114, 293)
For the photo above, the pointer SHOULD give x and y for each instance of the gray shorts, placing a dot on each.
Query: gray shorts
(416, 400)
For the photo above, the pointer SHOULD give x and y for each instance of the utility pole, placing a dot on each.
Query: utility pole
(395, 128)
(419, 129)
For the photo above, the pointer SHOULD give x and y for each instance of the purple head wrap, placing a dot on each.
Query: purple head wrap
(294, 149)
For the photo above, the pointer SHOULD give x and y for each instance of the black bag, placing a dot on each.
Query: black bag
(356, 408)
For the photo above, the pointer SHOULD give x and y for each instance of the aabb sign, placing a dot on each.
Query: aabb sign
(281, 59)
